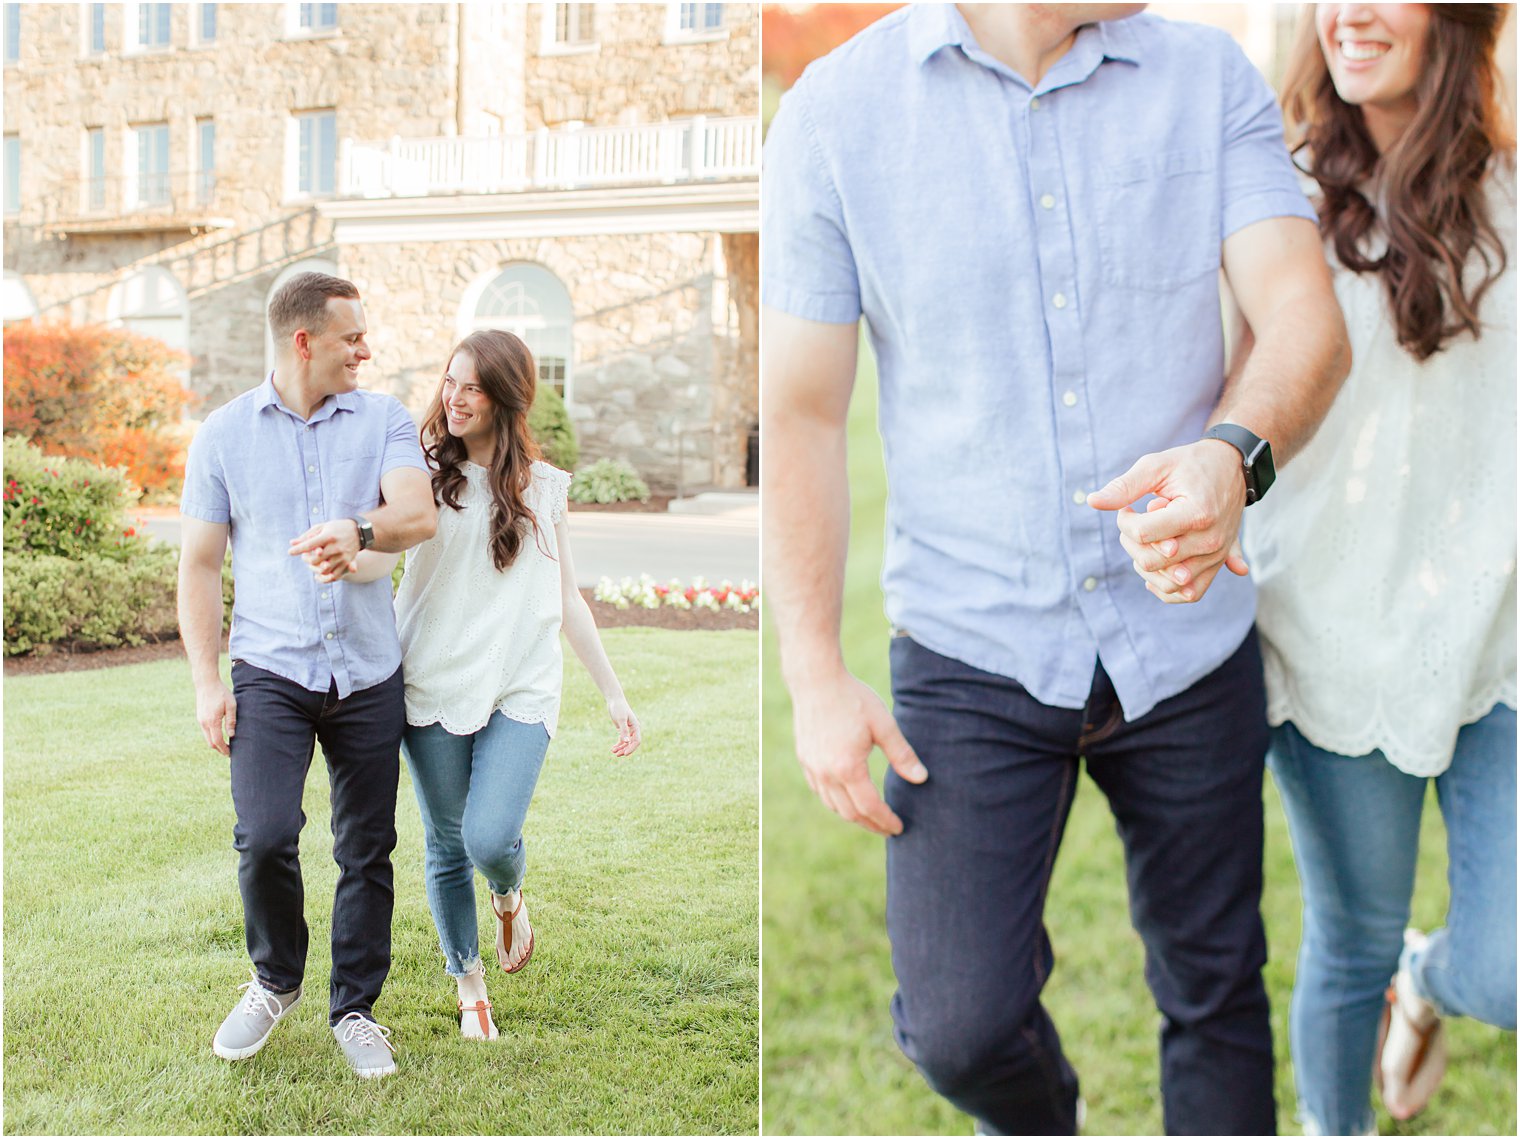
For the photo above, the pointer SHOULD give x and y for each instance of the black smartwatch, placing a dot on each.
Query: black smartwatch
(1256, 454)
(366, 532)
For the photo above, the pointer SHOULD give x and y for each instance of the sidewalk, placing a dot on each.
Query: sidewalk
(712, 536)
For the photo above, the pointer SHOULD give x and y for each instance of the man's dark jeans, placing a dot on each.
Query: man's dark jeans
(278, 722)
(967, 878)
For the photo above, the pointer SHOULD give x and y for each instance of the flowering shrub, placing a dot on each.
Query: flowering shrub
(99, 393)
(65, 507)
(646, 593)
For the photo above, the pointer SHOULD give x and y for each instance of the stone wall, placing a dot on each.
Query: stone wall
(651, 364)
(632, 75)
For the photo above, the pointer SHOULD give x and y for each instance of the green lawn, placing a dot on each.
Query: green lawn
(124, 938)
(830, 1064)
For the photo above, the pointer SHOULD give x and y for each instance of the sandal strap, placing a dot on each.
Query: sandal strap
(1423, 1035)
(482, 1009)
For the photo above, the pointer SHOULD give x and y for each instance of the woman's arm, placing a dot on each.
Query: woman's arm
(370, 565)
(580, 631)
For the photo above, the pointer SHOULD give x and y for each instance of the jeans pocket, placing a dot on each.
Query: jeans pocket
(1154, 213)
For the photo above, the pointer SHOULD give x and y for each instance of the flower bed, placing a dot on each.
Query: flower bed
(646, 593)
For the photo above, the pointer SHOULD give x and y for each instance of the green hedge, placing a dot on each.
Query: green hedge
(91, 601)
(550, 425)
(608, 480)
(68, 507)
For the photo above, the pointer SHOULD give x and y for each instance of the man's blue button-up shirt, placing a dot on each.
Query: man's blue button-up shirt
(1038, 270)
(270, 475)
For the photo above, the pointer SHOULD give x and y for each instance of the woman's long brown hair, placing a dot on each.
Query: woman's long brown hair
(505, 371)
(1428, 186)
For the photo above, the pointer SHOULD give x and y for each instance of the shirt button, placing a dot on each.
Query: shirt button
(325, 596)
(330, 636)
(311, 470)
(1048, 201)
(1059, 300)
(310, 427)
(1090, 584)
(1079, 497)
(316, 509)
(1069, 399)
(1034, 104)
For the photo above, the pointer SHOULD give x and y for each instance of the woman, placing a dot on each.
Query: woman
(1385, 557)
(479, 613)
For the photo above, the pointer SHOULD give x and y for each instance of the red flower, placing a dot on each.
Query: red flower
(36, 501)
(130, 531)
(86, 482)
(87, 522)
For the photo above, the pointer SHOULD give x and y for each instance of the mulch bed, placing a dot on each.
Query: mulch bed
(657, 504)
(607, 617)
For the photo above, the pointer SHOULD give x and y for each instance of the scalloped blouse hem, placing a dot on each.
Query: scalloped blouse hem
(547, 719)
(1380, 736)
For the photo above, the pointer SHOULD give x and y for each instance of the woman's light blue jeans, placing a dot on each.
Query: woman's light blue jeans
(473, 792)
(1355, 823)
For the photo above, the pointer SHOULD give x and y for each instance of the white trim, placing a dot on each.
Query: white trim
(17, 290)
(722, 207)
(130, 21)
(547, 25)
(294, 31)
(196, 15)
(86, 30)
(309, 265)
(292, 180)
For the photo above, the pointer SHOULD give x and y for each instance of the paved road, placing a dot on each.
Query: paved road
(617, 545)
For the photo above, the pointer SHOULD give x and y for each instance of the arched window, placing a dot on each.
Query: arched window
(151, 303)
(532, 302)
(311, 265)
(17, 303)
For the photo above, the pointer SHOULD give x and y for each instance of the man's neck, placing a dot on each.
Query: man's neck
(296, 390)
(1026, 37)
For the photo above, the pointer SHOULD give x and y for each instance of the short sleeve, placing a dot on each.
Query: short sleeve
(807, 268)
(556, 491)
(402, 445)
(205, 492)
(1259, 180)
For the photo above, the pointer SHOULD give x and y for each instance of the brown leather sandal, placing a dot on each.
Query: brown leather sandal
(482, 1009)
(504, 935)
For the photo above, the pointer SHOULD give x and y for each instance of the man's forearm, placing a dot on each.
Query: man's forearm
(807, 524)
(200, 619)
(399, 527)
(1286, 381)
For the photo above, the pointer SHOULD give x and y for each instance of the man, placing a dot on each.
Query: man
(1030, 207)
(305, 469)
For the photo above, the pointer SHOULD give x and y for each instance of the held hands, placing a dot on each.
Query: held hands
(214, 708)
(836, 724)
(627, 725)
(329, 548)
(1191, 528)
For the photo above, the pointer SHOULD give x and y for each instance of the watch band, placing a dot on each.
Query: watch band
(1255, 453)
(366, 532)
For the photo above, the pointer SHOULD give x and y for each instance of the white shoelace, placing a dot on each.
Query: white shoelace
(257, 996)
(365, 1032)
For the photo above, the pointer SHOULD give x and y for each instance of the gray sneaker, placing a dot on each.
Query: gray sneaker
(365, 1046)
(251, 1021)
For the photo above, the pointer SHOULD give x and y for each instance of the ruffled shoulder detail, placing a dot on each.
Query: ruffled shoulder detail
(555, 485)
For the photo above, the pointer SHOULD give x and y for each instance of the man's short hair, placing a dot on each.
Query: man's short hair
(302, 303)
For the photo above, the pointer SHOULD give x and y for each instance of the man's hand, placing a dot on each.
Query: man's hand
(329, 548)
(836, 725)
(215, 709)
(1193, 526)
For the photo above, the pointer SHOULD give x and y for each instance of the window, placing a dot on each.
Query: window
(97, 42)
(694, 23)
(151, 143)
(701, 17)
(572, 23)
(317, 17)
(205, 160)
(12, 174)
(532, 302)
(153, 25)
(12, 33)
(316, 152)
(95, 159)
(205, 24)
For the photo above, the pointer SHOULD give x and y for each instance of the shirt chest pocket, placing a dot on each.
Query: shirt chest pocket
(356, 482)
(1158, 220)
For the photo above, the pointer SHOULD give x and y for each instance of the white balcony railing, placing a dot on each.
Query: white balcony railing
(681, 150)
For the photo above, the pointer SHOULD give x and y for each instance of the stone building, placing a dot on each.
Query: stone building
(586, 175)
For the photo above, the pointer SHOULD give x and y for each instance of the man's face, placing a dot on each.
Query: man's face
(1079, 14)
(339, 349)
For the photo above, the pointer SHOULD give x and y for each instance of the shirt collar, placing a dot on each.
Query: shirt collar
(935, 26)
(268, 396)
